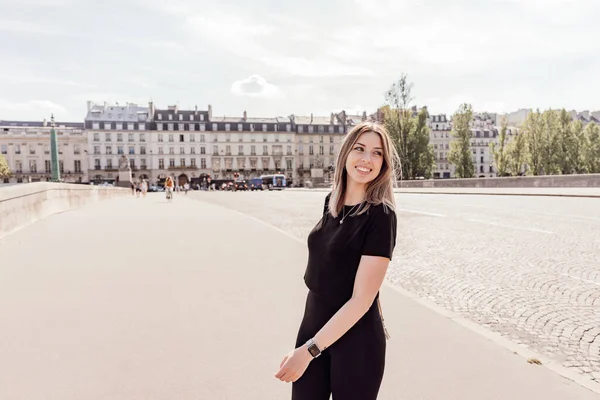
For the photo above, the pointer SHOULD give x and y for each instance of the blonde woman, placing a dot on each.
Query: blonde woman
(341, 343)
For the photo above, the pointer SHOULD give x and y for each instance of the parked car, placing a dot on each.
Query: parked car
(255, 184)
(240, 185)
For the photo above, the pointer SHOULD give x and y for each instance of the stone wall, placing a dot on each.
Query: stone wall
(24, 204)
(549, 181)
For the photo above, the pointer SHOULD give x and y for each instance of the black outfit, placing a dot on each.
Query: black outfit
(352, 367)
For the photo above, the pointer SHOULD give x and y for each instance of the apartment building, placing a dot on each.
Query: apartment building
(26, 147)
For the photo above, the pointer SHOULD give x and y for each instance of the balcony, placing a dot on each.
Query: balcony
(180, 168)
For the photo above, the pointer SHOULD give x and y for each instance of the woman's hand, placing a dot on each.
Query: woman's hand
(294, 364)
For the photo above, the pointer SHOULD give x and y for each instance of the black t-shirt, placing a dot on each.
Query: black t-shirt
(335, 250)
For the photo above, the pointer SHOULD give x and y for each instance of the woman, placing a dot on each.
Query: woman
(169, 184)
(341, 343)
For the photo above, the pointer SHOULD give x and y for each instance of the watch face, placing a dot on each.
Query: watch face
(313, 350)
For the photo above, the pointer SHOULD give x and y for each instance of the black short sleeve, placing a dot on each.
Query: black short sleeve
(380, 235)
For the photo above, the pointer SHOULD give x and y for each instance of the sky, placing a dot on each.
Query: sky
(276, 58)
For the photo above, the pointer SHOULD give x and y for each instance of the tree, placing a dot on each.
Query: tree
(408, 131)
(575, 146)
(460, 148)
(592, 148)
(4, 170)
(500, 151)
(533, 129)
(516, 154)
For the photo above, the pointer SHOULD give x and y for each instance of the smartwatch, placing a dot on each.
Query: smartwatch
(313, 349)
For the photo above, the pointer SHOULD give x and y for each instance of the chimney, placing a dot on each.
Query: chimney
(344, 117)
(196, 109)
(311, 118)
(245, 116)
(364, 116)
(331, 119)
(89, 105)
(209, 112)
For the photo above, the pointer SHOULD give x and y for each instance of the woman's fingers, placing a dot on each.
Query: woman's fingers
(282, 362)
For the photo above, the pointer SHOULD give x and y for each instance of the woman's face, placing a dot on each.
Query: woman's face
(365, 159)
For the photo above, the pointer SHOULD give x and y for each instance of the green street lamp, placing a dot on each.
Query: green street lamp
(54, 152)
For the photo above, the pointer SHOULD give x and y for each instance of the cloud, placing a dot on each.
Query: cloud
(255, 86)
(34, 109)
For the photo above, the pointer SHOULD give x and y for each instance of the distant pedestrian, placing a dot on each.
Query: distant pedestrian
(132, 188)
(144, 187)
(341, 342)
(186, 187)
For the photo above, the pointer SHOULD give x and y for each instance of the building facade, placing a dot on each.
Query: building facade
(439, 138)
(26, 147)
(114, 130)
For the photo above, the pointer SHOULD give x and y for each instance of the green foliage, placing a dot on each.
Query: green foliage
(460, 148)
(500, 151)
(408, 131)
(4, 170)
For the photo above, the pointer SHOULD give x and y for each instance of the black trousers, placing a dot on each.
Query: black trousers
(352, 368)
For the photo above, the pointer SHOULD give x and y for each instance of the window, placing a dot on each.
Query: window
(18, 166)
(202, 138)
(192, 127)
(491, 169)
(161, 163)
(171, 162)
(181, 138)
(331, 149)
(120, 150)
(77, 149)
(4, 149)
(289, 150)
(264, 138)
(171, 150)
(142, 137)
(202, 150)
(203, 163)
(228, 150)
(482, 159)
(264, 127)
(202, 127)
(201, 117)
(142, 127)
(182, 127)
(216, 150)
(160, 150)
(131, 150)
(481, 168)
(107, 125)
(182, 162)
(311, 129)
(143, 163)
(160, 137)
(288, 164)
(170, 117)
(96, 150)
(321, 151)
(32, 149)
(170, 137)
(33, 166)
(95, 125)
(265, 150)
(181, 150)
(170, 127)
(193, 162)
(341, 129)
(61, 167)
(119, 126)
(108, 137)
(130, 137)
(252, 150)
(132, 163)
(321, 129)
(109, 150)
(142, 149)
(159, 127)
(214, 127)
(227, 127)
(241, 150)
(77, 166)
(311, 150)
(159, 116)
(181, 117)
(129, 127)
(192, 138)
(300, 129)
(191, 117)
(96, 137)
(288, 127)
(240, 127)
(119, 137)
(193, 150)
(48, 166)
(228, 137)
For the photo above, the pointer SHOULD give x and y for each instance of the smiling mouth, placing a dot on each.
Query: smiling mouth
(363, 170)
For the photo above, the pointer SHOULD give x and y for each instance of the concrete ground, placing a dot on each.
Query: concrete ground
(140, 299)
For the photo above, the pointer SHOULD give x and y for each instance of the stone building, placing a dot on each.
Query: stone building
(26, 147)
(113, 130)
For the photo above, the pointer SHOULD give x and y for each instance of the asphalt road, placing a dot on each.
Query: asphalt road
(525, 267)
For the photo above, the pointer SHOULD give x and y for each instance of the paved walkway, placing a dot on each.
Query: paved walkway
(139, 299)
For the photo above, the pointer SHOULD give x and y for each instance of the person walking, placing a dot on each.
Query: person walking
(144, 188)
(341, 342)
(169, 185)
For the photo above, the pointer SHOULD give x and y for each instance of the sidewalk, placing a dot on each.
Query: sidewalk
(554, 192)
(139, 299)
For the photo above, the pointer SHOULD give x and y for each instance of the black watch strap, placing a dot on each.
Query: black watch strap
(313, 349)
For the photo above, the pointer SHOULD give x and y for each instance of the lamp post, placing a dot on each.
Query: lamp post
(54, 152)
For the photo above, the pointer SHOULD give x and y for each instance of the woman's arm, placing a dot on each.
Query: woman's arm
(369, 277)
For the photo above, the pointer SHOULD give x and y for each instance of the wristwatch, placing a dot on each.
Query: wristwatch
(313, 349)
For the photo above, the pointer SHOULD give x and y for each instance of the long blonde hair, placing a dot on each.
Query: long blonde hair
(381, 189)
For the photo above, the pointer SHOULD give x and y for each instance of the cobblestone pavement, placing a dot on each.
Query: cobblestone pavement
(526, 267)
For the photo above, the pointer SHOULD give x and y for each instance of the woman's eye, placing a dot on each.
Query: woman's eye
(378, 153)
(358, 148)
